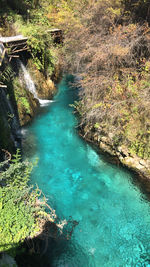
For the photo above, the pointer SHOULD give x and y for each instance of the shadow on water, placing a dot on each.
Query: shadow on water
(45, 250)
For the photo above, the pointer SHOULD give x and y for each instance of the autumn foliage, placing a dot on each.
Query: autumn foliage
(109, 48)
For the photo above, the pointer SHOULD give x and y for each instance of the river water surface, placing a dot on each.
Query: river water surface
(113, 216)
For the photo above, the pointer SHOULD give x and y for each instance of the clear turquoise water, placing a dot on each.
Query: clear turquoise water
(114, 218)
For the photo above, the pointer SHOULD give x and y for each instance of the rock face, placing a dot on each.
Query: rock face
(30, 86)
(45, 86)
(18, 105)
(10, 138)
(27, 107)
(119, 153)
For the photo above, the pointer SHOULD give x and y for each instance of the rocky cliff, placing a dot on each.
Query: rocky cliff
(18, 105)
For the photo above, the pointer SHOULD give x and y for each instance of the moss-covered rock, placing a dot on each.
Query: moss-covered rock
(25, 101)
(9, 123)
(44, 85)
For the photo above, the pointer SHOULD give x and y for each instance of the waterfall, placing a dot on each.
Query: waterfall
(31, 86)
(28, 81)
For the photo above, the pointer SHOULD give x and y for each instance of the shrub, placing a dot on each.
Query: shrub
(18, 210)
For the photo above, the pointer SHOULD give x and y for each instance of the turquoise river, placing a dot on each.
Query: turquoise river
(113, 216)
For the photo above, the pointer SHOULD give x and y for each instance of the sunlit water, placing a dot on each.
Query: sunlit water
(114, 218)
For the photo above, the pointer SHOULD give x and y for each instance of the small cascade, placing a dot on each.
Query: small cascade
(44, 102)
(31, 86)
(28, 81)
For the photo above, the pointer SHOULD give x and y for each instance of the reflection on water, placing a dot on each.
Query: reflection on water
(114, 219)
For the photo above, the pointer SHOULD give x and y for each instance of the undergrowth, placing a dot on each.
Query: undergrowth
(19, 217)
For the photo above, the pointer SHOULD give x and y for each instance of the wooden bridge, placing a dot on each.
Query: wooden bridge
(15, 44)
(12, 45)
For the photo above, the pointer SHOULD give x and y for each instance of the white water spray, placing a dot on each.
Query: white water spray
(44, 102)
(31, 86)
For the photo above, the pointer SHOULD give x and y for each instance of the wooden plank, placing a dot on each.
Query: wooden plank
(54, 30)
(10, 39)
(16, 51)
(3, 86)
(12, 56)
(24, 46)
(11, 45)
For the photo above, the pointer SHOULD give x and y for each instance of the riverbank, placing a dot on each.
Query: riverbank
(140, 178)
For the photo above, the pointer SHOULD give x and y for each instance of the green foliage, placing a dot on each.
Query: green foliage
(17, 220)
(78, 106)
(140, 147)
(18, 173)
(7, 75)
(39, 41)
(96, 125)
(21, 97)
(25, 104)
(31, 18)
(17, 205)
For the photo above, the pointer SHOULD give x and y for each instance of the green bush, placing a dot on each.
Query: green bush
(18, 210)
(39, 41)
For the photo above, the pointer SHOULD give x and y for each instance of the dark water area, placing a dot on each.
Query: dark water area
(113, 215)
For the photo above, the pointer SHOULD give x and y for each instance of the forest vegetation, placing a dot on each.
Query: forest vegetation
(109, 49)
(107, 44)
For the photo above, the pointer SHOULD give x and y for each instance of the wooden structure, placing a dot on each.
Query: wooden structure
(13, 45)
(57, 35)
